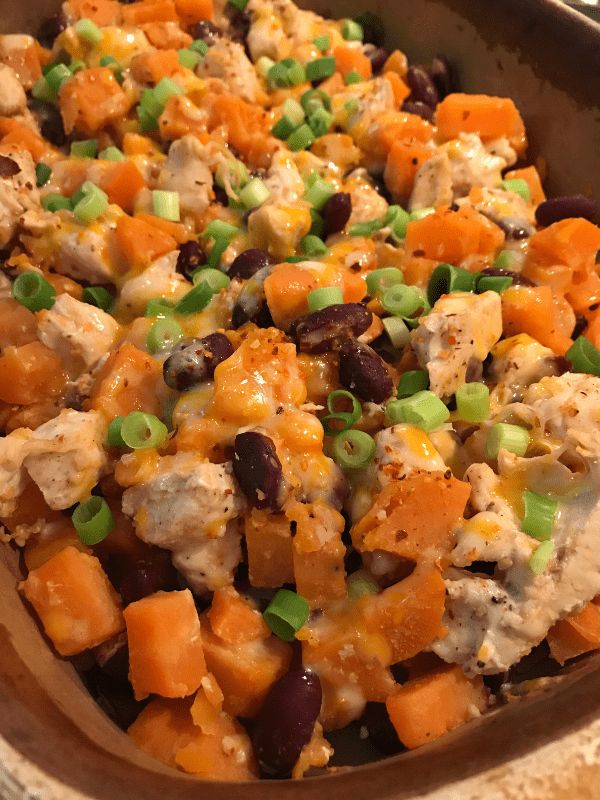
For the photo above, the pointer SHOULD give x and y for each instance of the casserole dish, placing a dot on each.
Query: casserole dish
(47, 715)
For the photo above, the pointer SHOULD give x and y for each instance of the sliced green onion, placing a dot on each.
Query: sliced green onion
(504, 436)
(166, 205)
(159, 307)
(41, 91)
(421, 213)
(286, 614)
(239, 4)
(295, 259)
(398, 333)
(150, 104)
(215, 279)
(351, 106)
(360, 585)
(295, 71)
(411, 382)
(108, 61)
(277, 77)
(584, 356)
(505, 260)
(235, 171)
(88, 31)
(56, 202)
(320, 121)
(113, 436)
(301, 138)
(397, 222)
(148, 123)
(43, 173)
(317, 227)
(324, 297)
(352, 31)
(381, 279)
(140, 430)
(401, 300)
(283, 128)
(540, 514)
(322, 43)
(254, 193)
(189, 58)
(164, 334)
(313, 99)
(366, 228)
(263, 66)
(216, 251)
(77, 65)
(33, 291)
(445, 279)
(348, 418)
(111, 154)
(195, 300)
(92, 205)
(219, 229)
(292, 109)
(518, 186)
(473, 402)
(319, 193)
(320, 68)
(353, 449)
(84, 149)
(353, 77)
(313, 246)
(98, 296)
(424, 409)
(199, 46)
(57, 76)
(165, 89)
(93, 520)
(541, 557)
(493, 283)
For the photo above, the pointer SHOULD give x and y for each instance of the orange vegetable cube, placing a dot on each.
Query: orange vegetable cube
(532, 178)
(92, 99)
(234, 619)
(286, 290)
(18, 325)
(248, 128)
(400, 89)
(490, 117)
(573, 242)
(141, 243)
(165, 645)
(166, 36)
(269, 543)
(577, 634)
(74, 600)
(122, 181)
(30, 373)
(404, 160)
(451, 236)
(192, 11)
(174, 229)
(17, 134)
(153, 65)
(531, 309)
(149, 11)
(127, 382)
(352, 59)
(101, 12)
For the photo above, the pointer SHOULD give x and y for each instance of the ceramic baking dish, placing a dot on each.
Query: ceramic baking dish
(56, 743)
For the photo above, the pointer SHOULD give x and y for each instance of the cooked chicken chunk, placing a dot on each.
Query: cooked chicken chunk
(18, 191)
(367, 203)
(433, 183)
(13, 99)
(517, 363)
(160, 279)
(186, 171)
(227, 61)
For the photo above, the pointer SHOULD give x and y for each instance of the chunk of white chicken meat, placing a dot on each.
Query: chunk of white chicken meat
(227, 61)
(78, 332)
(508, 210)
(190, 508)
(453, 340)
(493, 622)
(186, 172)
(277, 27)
(369, 100)
(517, 363)
(18, 191)
(13, 478)
(13, 99)
(160, 279)
(367, 203)
(433, 183)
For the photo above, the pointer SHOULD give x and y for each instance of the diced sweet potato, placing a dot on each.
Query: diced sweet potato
(152, 65)
(248, 128)
(234, 619)
(490, 117)
(74, 600)
(18, 325)
(121, 182)
(533, 179)
(41, 549)
(149, 11)
(573, 242)
(404, 160)
(413, 518)
(140, 243)
(579, 633)
(318, 552)
(92, 99)
(269, 543)
(192, 11)
(163, 728)
(532, 310)
(352, 59)
(17, 134)
(451, 236)
(30, 373)
(101, 12)
(127, 382)
(245, 671)
(426, 708)
(165, 645)
(286, 289)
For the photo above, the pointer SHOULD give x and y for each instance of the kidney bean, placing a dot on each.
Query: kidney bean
(258, 469)
(329, 328)
(557, 208)
(207, 31)
(381, 731)
(377, 56)
(144, 576)
(251, 305)
(422, 87)
(249, 263)
(336, 212)
(113, 658)
(286, 722)
(51, 28)
(193, 362)
(498, 272)
(114, 697)
(8, 167)
(52, 127)
(418, 108)
(440, 72)
(364, 373)
(191, 256)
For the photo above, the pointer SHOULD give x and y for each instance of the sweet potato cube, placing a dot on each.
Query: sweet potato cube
(269, 543)
(577, 634)
(234, 619)
(426, 708)
(128, 381)
(74, 601)
(165, 645)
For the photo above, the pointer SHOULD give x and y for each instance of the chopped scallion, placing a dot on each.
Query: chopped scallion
(360, 585)
(518, 186)
(93, 520)
(313, 246)
(322, 43)
(320, 121)
(473, 402)
(84, 149)
(584, 356)
(353, 77)
(381, 279)
(215, 279)
(352, 31)
(541, 557)
(424, 409)
(33, 291)
(219, 229)
(140, 430)
(43, 173)
(540, 514)
(504, 436)
(320, 68)
(111, 154)
(319, 193)
(199, 46)
(195, 300)
(57, 76)
(402, 301)
(286, 614)
(301, 138)
(92, 205)
(189, 58)
(159, 307)
(324, 296)
(166, 205)
(353, 449)
(56, 202)
(493, 283)
(164, 334)
(411, 382)
(445, 279)
(88, 31)
(254, 193)
(98, 296)
(113, 436)
(397, 331)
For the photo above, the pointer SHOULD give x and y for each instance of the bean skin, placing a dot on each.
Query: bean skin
(336, 212)
(191, 256)
(440, 72)
(328, 329)
(8, 167)
(249, 263)
(258, 470)
(251, 305)
(377, 56)
(364, 373)
(422, 87)
(557, 208)
(193, 362)
(286, 722)
(418, 108)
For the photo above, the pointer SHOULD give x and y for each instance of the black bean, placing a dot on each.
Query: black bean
(8, 167)
(557, 208)
(498, 272)
(193, 362)
(207, 31)
(286, 722)
(422, 87)
(52, 127)
(364, 373)
(141, 577)
(251, 305)
(115, 662)
(249, 263)
(336, 212)
(377, 56)
(381, 731)
(441, 73)
(258, 470)
(239, 24)
(51, 28)
(418, 108)
(191, 256)
(329, 328)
